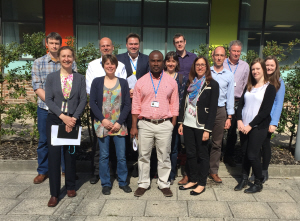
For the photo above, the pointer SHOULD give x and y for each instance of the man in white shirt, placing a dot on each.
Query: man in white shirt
(95, 70)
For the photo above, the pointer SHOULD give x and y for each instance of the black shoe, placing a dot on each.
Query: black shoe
(266, 175)
(126, 189)
(191, 187)
(229, 160)
(106, 190)
(193, 193)
(257, 187)
(94, 179)
(242, 184)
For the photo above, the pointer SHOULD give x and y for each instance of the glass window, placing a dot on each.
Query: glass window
(118, 35)
(16, 10)
(86, 34)
(87, 11)
(155, 13)
(154, 39)
(194, 37)
(121, 12)
(252, 13)
(250, 40)
(284, 15)
(192, 13)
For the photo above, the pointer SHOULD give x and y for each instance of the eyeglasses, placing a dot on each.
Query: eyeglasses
(200, 65)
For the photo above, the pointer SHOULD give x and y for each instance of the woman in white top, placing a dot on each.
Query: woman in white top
(253, 115)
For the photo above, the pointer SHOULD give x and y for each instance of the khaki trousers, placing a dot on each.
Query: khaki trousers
(160, 135)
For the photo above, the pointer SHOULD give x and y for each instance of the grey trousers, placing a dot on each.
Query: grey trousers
(160, 135)
(217, 138)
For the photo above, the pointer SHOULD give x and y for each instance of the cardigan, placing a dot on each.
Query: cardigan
(207, 105)
(54, 96)
(278, 103)
(96, 99)
(263, 118)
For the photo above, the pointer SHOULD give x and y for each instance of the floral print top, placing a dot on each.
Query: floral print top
(66, 85)
(111, 109)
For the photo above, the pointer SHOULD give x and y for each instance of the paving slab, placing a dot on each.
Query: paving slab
(251, 210)
(24, 179)
(286, 210)
(295, 194)
(199, 219)
(226, 194)
(273, 196)
(90, 207)
(153, 219)
(276, 184)
(7, 204)
(36, 191)
(208, 209)
(208, 195)
(234, 219)
(166, 209)
(19, 217)
(77, 218)
(5, 177)
(110, 218)
(11, 191)
(124, 208)
(48, 218)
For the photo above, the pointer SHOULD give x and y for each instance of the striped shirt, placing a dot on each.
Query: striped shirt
(144, 95)
(41, 67)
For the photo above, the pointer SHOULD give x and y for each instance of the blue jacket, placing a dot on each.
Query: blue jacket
(278, 103)
(142, 64)
(96, 99)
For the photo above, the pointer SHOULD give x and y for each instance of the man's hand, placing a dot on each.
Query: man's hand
(67, 120)
(40, 93)
(180, 129)
(205, 136)
(131, 93)
(68, 129)
(247, 129)
(134, 132)
(272, 128)
(227, 124)
(107, 124)
(116, 127)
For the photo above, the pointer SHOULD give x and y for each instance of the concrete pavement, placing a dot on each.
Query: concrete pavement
(20, 199)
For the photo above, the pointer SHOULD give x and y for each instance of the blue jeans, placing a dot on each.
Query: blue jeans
(42, 150)
(174, 153)
(104, 171)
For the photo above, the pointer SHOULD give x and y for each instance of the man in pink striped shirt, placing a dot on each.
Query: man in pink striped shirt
(155, 103)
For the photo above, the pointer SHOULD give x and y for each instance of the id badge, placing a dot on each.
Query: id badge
(235, 84)
(154, 104)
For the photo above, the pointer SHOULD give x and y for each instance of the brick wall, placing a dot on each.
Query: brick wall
(21, 100)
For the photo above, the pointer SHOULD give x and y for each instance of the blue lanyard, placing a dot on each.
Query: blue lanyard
(230, 67)
(70, 150)
(155, 90)
(133, 64)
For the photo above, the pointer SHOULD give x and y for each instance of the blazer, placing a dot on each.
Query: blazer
(142, 64)
(54, 96)
(263, 117)
(207, 105)
(96, 99)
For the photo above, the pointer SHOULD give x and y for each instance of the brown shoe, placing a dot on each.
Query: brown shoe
(184, 180)
(71, 193)
(140, 191)
(40, 178)
(53, 201)
(215, 178)
(167, 192)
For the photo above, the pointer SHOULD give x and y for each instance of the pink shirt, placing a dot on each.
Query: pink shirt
(167, 96)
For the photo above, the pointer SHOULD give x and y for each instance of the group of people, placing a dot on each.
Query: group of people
(153, 100)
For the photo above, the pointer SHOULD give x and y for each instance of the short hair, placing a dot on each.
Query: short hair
(213, 52)
(133, 35)
(193, 72)
(55, 36)
(155, 51)
(251, 80)
(67, 48)
(178, 35)
(109, 57)
(235, 42)
(172, 54)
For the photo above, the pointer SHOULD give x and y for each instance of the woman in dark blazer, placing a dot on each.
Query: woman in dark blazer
(196, 118)
(66, 98)
(110, 103)
(253, 118)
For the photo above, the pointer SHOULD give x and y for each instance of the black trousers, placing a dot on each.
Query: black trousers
(266, 152)
(251, 147)
(197, 153)
(54, 158)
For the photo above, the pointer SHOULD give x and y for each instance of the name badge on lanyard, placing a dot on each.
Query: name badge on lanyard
(134, 66)
(155, 103)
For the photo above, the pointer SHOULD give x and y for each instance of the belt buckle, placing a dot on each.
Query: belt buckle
(154, 121)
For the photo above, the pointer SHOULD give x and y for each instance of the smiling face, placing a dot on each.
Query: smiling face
(156, 62)
(271, 66)
(106, 46)
(200, 67)
(133, 46)
(109, 68)
(257, 72)
(179, 44)
(171, 64)
(235, 53)
(66, 58)
(53, 45)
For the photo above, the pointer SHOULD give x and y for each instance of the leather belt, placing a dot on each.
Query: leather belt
(159, 121)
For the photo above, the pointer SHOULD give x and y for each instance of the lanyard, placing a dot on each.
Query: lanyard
(230, 67)
(134, 66)
(155, 90)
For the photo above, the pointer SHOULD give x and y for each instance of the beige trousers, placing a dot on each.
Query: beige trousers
(160, 135)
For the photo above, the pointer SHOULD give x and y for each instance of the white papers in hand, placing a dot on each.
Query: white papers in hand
(131, 81)
(62, 141)
(135, 143)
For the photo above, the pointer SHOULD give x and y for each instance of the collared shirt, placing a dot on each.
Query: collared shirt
(226, 88)
(95, 70)
(241, 72)
(144, 95)
(41, 67)
(134, 62)
(186, 63)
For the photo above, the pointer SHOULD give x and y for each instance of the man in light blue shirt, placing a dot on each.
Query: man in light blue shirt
(225, 78)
